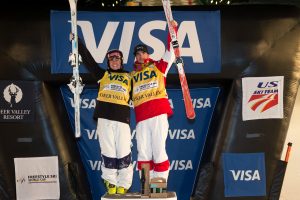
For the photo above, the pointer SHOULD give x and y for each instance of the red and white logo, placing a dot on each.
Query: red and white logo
(265, 101)
(262, 97)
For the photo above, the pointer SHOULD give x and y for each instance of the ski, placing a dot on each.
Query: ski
(189, 109)
(75, 84)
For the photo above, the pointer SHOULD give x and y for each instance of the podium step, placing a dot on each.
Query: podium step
(136, 195)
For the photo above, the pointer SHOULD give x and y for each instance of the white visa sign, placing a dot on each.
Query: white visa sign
(245, 175)
(186, 31)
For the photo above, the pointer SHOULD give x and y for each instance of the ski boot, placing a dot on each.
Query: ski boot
(121, 190)
(111, 188)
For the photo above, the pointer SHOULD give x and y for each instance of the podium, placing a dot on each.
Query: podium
(135, 196)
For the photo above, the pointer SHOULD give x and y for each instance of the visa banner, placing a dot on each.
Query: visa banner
(185, 140)
(244, 174)
(198, 35)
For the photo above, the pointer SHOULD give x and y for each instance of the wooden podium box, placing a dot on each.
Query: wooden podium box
(134, 196)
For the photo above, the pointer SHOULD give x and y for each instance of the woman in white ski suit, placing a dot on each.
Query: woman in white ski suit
(112, 113)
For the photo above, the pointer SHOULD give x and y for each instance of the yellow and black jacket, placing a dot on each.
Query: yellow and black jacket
(114, 89)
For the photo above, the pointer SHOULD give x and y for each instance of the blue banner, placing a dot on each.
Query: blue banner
(198, 35)
(244, 174)
(184, 144)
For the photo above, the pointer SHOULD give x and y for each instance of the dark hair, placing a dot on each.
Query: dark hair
(113, 51)
(140, 47)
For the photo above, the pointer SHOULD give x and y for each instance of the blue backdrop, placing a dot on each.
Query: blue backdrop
(198, 35)
(185, 141)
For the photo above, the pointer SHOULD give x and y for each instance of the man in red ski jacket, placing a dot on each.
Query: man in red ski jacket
(152, 109)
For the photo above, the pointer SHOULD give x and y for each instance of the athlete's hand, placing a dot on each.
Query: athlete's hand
(71, 37)
(174, 23)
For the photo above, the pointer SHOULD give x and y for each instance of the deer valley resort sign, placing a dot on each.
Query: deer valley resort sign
(16, 101)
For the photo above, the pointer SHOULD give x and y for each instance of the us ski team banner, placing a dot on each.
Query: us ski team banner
(198, 36)
(37, 178)
(185, 141)
(244, 174)
(262, 97)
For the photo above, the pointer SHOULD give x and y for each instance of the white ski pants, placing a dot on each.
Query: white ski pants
(115, 144)
(151, 135)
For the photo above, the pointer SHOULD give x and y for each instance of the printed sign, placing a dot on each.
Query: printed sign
(185, 140)
(244, 174)
(37, 178)
(262, 97)
(17, 101)
(198, 36)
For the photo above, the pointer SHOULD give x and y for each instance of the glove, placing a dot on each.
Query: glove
(174, 23)
(71, 37)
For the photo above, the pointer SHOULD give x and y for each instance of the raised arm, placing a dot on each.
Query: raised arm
(88, 60)
(169, 57)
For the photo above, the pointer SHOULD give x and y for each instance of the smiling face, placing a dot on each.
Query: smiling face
(114, 60)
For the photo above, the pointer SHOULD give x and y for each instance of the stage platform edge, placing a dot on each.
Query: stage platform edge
(134, 196)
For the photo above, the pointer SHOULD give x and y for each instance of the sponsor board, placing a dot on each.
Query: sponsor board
(17, 101)
(37, 178)
(244, 174)
(189, 136)
(262, 97)
(198, 36)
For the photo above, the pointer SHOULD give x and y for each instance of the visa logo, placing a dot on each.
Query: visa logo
(174, 165)
(197, 103)
(201, 103)
(181, 134)
(119, 78)
(95, 165)
(144, 76)
(92, 134)
(245, 175)
(84, 103)
(178, 134)
(187, 31)
(181, 165)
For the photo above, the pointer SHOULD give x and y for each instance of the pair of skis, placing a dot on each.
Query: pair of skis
(75, 84)
(189, 109)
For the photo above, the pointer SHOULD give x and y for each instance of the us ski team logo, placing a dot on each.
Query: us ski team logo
(264, 97)
(12, 94)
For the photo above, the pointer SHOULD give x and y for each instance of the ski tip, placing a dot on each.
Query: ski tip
(78, 135)
(191, 116)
